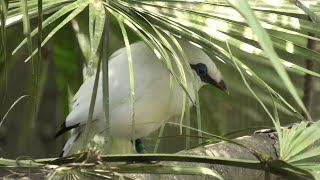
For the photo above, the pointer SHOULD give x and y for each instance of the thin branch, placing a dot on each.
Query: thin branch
(308, 80)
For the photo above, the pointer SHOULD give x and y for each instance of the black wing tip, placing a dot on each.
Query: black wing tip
(61, 154)
(64, 129)
(61, 130)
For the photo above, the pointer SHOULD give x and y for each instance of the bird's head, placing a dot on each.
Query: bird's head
(205, 70)
(207, 73)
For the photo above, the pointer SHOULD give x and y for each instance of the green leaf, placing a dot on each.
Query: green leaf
(153, 42)
(308, 11)
(26, 24)
(57, 28)
(236, 62)
(215, 50)
(80, 5)
(3, 43)
(92, 106)
(266, 44)
(131, 74)
(313, 153)
(97, 17)
(105, 81)
(12, 106)
(14, 14)
(299, 139)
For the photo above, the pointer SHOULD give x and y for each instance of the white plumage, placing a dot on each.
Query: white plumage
(151, 94)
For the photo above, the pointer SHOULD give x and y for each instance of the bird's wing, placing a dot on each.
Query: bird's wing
(80, 108)
(146, 71)
(81, 105)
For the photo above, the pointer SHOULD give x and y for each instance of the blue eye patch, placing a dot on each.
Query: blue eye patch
(201, 69)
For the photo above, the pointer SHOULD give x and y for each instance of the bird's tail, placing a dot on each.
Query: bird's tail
(64, 128)
(115, 145)
(73, 144)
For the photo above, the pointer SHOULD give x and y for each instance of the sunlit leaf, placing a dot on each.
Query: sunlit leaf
(97, 17)
(299, 140)
(266, 44)
(80, 4)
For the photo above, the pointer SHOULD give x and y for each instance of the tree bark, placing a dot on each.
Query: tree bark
(262, 142)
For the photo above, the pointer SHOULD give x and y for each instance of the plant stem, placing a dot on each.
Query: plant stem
(105, 81)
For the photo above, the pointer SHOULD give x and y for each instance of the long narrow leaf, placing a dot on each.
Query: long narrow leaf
(131, 73)
(105, 81)
(97, 17)
(12, 106)
(153, 44)
(57, 28)
(215, 50)
(265, 42)
(3, 43)
(54, 17)
(92, 106)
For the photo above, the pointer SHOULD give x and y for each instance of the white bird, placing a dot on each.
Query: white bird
(152, 89)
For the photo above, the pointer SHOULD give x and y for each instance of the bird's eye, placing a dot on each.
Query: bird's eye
(201, 71)
(200, 68)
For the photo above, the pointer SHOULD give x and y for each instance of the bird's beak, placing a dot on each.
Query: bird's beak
(220, 85)
(223, 87)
